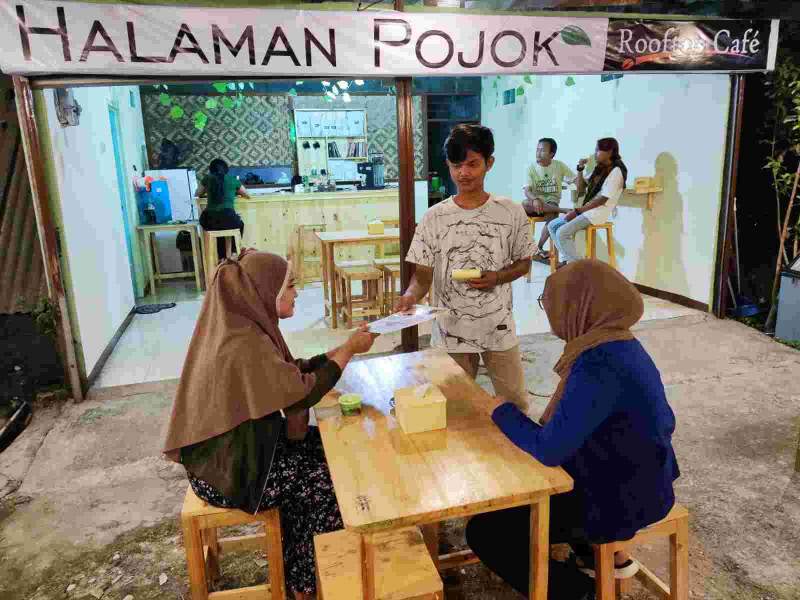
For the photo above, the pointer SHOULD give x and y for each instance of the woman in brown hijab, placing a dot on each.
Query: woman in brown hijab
(228, 427)
(608, 425)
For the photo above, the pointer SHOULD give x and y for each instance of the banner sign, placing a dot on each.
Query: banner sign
(46, 37)
(690, 45)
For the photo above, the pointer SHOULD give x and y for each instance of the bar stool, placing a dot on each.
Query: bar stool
(367, 304)
(674, 526)
(308, 261)
(591, 241)
(390, 267)
(552, 247)
(210, 249)
(200, 522)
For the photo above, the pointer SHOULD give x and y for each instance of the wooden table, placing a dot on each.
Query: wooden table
(329, 240)
(151, 256)
(385, 479)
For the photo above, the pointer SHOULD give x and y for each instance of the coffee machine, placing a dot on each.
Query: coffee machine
(372, 172)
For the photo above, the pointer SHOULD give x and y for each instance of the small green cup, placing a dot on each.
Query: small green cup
(350, 404)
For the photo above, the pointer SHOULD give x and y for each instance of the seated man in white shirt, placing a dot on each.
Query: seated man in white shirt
(602, 193)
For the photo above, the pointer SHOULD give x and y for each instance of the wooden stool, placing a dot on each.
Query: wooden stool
(551, 245)
(591, 242)
(370, 302)
(391, 276)
(210, 248)
(307, 260)
(675, 526)
(403, 567)
(200, 522)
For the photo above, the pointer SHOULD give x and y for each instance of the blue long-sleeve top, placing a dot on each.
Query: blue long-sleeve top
(612, 432)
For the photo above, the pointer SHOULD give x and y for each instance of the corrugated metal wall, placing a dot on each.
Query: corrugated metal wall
(22, 277)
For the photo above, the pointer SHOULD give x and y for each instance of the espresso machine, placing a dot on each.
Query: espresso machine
(372, 172)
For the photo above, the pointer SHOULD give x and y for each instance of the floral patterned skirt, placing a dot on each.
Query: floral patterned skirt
(300, 486)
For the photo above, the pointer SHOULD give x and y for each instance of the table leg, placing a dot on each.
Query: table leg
(331, 267)
(195, 258)
(325, 275)
(540, 549)
(430, 533)
(368, 566)
(148, 254)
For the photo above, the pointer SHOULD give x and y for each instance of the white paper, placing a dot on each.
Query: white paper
(396, 322)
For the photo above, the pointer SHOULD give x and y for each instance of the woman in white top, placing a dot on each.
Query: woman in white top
(601, 194)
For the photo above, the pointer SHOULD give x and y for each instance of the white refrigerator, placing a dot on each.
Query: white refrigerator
(182, 184)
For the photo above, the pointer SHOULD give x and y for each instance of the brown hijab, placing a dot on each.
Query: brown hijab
(238, 366)
(588, 303)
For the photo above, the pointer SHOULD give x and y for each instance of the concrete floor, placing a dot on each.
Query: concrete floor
(89, 501)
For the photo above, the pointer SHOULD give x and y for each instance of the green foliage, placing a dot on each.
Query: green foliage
(44, 316)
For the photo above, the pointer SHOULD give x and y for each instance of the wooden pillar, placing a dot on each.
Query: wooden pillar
(29, 131)
(405, 145)
(721, 298)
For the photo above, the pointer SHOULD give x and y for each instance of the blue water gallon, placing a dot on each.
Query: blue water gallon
(159, 197)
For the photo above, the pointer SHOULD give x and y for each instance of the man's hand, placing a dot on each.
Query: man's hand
(582, 164)
(570, 215)
(487, 281)
(405, 303)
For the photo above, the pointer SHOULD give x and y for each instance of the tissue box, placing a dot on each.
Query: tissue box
(375, 228)
(420, 408)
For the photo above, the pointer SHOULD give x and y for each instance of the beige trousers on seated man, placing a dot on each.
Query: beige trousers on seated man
(505, 371)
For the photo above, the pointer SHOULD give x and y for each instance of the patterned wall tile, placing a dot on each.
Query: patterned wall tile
(257, 133)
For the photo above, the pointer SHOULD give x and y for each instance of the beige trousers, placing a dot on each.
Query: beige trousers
(505, 371)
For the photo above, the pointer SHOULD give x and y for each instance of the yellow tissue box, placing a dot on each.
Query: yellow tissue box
(420, 408)
(375, 228)
(466, 274)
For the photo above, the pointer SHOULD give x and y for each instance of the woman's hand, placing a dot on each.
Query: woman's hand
(405, 303)
(361, 341)
(494, 402)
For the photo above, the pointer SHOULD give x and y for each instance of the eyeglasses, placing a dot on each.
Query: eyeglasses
(539, 300)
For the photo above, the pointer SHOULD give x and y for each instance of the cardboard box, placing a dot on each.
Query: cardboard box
(420, 408)
(375, 228)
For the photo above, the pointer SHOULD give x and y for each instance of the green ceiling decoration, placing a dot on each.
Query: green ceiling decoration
(575, 36)
(176, 112)
(570, 82)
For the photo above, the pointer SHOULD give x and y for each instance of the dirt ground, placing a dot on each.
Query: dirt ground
(89, 510)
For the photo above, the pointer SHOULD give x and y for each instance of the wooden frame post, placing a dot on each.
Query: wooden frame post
(29, 132)
(722, 269)
(405, 144)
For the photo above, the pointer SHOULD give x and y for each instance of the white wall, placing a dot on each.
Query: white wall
(82, 164)
(670, 126)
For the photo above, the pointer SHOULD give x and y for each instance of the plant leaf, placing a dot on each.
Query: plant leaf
(220, 86)
(293, 92)
(212, 103)
(252, 87)
(527, 79)
(573, 35)
(176, 112)
(520, 91)
(241, 85)
(164, 99)
(569, 82)
(227, 103)
(231, 86)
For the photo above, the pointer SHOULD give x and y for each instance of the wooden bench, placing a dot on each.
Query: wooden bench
(675, 526)
(200, 521)
(404, 569)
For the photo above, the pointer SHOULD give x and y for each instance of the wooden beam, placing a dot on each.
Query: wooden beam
(405, 145)
(721, 297)
(29, 130)
(456, 560)
(652, 583)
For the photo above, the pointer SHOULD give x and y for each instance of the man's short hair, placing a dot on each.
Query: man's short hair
(552, 143)
(464, 138)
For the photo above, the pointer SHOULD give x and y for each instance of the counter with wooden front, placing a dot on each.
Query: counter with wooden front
(271, 220)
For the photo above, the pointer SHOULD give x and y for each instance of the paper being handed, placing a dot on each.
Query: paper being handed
(396, 322)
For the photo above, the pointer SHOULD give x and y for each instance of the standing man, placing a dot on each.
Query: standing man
(474, 230)
(602, 193)
(543, 192)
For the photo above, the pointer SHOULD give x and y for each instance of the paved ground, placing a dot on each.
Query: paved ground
(88, 502)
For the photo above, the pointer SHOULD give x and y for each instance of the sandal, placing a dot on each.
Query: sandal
(541, 253)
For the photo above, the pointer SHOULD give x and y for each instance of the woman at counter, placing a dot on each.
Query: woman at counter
(222, 190)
